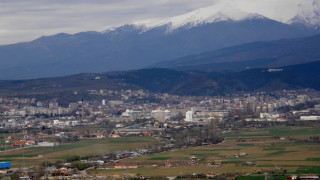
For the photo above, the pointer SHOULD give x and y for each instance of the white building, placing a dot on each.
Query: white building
(205, 116)
(310, 118)
(114, 103)
(46, 144)
(130, 113)
(190, 116)
(270, 116)
(56, 122)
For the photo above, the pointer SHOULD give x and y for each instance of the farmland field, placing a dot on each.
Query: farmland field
(30, 156)
(261, 146)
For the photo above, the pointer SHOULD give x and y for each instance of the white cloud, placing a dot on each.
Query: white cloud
(26, 20)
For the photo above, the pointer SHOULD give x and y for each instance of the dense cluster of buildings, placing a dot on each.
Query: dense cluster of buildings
(160, 110)
(138, 104)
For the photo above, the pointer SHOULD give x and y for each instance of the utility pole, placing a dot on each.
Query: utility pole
(127, 172)
(23, 157)
(45, 170)
(266, 176)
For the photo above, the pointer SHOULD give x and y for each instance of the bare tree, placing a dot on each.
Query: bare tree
(214, 134)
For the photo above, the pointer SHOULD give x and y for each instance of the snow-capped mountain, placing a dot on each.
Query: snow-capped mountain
(226, 23)
(305, 12)
(223, 11)
(284, 11)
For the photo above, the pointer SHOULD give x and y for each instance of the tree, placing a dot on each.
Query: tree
(58, 164)
(213, 131)
(73, 158)
(80, 166)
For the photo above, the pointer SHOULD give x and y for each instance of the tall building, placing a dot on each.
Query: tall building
(103, 102)
(189, 116)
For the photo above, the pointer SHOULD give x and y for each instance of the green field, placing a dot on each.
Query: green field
(245, 144)
(159, 158)
(30, 156)
(262, 148)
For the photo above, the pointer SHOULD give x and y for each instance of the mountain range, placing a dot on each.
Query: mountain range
(138, 45)
(252, 55)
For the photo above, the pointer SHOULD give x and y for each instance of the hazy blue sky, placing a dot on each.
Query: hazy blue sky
(25, 20)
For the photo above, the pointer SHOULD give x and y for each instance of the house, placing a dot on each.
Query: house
(277, 167)
(249, 163)
(115, 135)
(243, 154)
(99, 162)
(119, 125)
(61, 172)
(120, 166)
(56, 122)
(192, 160)
(196, 175)
(30, 142)
(215, 164)
(147, 134)
(309, 176)
(18, 144)
(211, 175)
(100, 136)
(168, 163)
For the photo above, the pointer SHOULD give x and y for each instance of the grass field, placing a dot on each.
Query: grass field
(29, 156)
(262, 149)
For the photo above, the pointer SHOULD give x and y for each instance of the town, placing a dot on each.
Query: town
(162, 122)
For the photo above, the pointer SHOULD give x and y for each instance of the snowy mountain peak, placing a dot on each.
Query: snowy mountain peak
(221, 11)
(308, 13)
(285, 11)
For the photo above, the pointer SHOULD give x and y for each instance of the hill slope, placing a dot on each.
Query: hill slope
(258, 54)
(169, 81)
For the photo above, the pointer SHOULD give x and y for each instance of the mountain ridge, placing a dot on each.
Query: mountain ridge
(158, 80)
(275, 53)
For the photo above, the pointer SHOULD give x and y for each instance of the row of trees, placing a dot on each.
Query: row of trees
(198, 135)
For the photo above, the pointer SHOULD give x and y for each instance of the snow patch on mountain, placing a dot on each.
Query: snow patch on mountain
(285, 11)
(221, 11)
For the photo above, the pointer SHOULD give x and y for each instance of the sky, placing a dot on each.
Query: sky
(26, 20)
